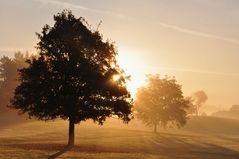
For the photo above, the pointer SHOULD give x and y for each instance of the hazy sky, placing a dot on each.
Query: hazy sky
(197, 41)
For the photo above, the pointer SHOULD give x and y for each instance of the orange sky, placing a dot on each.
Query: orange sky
(197, 41)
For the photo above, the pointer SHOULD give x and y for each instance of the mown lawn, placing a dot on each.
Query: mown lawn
(114, 141)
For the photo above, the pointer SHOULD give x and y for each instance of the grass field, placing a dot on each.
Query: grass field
(202, 138)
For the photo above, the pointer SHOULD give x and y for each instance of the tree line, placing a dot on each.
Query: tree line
(71, 78)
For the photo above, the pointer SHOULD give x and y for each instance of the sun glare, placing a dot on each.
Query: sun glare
(116, 77)
(130, 64)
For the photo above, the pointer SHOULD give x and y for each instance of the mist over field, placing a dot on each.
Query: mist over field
(203, 137)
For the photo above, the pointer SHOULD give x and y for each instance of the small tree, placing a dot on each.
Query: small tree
(161, 102)
(199, 98)
(72, 78)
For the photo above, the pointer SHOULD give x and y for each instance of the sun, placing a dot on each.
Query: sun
(116, 77)
(133, 67)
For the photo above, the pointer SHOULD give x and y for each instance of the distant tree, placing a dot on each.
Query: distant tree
(161, 102)
(199, 98)
(72, 78)
(9, 76)
(192, 107)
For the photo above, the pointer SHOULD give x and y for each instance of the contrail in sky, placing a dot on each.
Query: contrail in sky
(122, 16)
(197, 33)
(81, 7)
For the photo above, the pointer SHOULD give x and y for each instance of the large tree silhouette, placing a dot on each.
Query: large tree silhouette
(72, 78)
(161, 102)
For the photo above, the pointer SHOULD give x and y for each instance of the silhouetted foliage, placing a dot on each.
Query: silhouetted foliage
(199, 98)
(72, 77)
(161, 103)
(9, 76)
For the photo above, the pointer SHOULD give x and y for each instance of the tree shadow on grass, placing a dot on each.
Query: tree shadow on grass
(57, 154)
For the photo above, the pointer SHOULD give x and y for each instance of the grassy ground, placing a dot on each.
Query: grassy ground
(200, 139)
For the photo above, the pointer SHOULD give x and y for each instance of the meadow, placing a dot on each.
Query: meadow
(201, 138)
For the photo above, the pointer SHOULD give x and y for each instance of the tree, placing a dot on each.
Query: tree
(192, 107)
(72, 78)
(199, 98)
(9, 76)
(161, 102)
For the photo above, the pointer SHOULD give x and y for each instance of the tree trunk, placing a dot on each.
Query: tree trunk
(71, 139)
(197, 110)
(155, 128)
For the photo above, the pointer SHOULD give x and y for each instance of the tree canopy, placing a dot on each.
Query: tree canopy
(72, 77)
(199, 98)
(161, 102)
(9, 76)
